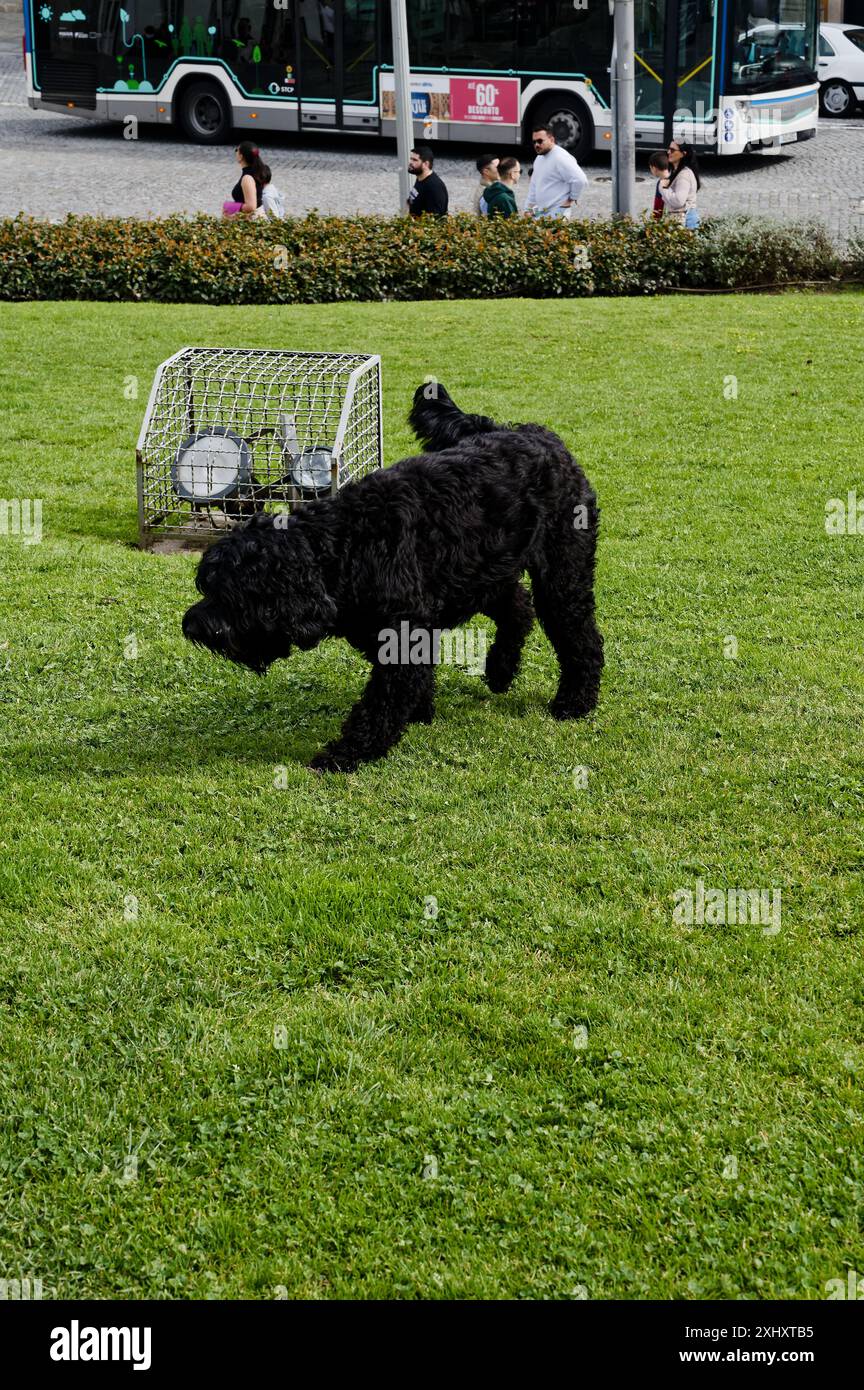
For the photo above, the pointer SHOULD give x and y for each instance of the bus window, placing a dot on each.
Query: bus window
(774, 44)
(358, 48)
(530, 36)
(140, 43)
(317, 43)
(190, 35)
(695, 57)
(463, 34)
(650, 19)
(555, 37)
(257, 43)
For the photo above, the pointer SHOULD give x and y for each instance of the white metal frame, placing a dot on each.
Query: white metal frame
(371, 364)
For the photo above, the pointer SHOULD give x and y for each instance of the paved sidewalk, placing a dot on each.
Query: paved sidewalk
(52, 164)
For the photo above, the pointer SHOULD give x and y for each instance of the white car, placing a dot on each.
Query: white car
(841, 68)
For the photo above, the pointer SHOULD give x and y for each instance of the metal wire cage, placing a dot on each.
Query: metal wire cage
(232, 431)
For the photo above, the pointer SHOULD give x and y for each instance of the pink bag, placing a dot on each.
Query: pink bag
(231, 209)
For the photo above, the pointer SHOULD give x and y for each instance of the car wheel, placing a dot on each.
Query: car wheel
(205, 114)
(837, 98)
(570, 122)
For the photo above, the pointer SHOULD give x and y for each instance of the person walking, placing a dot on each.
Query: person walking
(499, 198)
(246, 193)
(510, 171)
(487, 168)
(429, 193)
(680, 189)
(556, 179)
(658, 166)
(509, 174)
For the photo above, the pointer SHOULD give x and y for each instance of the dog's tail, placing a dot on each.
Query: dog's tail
(437, 421)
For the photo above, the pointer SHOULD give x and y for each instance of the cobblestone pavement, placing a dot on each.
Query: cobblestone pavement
(52, 164)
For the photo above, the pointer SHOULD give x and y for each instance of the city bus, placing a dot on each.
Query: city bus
(730, 75)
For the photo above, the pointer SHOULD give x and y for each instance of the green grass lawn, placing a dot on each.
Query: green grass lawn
(326, 1089)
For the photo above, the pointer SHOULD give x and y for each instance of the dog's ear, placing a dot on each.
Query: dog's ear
(266, 574)
(307, 612)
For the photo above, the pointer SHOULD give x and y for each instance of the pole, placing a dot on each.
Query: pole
(402, 83)
(623, 111)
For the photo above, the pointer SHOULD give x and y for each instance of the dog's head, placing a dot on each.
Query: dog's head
(263, 593)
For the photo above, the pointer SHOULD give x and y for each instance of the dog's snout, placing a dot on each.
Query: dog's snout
(191, 625)
(198, 625)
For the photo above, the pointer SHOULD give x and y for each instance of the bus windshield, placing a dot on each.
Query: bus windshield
(776, 50)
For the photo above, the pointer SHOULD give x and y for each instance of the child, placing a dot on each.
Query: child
(487, 168)
(658, 165)
(272, 202)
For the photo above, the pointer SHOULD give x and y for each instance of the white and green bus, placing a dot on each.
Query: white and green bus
(731, 75)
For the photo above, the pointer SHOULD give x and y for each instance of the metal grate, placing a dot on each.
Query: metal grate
(61, 81)
(232, 431)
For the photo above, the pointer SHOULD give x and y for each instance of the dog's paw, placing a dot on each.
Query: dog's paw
(498, 678)
(330, 761)
(500, 671)
(570, 708)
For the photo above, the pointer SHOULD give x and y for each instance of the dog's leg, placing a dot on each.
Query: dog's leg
(564, 601)
(394, 697)
(513, 615)
(424, 710)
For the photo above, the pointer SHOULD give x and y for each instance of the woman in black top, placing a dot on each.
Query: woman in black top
(247, 189)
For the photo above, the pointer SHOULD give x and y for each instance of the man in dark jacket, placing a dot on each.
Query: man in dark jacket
(429, 193)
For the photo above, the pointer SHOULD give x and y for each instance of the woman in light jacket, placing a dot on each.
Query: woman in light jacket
(679, 190)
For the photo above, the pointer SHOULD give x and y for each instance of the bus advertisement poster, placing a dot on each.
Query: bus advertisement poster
(436, 97)
(430, 96)
(494, 100)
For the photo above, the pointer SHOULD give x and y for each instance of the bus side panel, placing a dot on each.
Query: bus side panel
(249, 43)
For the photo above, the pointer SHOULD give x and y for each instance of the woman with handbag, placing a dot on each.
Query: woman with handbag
(246, 196)
(679, 190)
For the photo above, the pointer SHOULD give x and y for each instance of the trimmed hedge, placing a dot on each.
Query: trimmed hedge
(313, 260)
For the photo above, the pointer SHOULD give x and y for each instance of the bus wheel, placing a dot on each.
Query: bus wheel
(205, 115)
(837, 98)
(570, 123)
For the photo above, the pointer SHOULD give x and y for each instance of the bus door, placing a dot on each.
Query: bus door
(337, 46)
(690, 95)
(650, 52)
(65, 52)
(674, 49)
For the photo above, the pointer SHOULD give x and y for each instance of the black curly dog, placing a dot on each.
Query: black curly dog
(431, 542)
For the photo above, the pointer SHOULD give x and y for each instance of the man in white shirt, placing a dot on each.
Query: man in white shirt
(556, 181)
